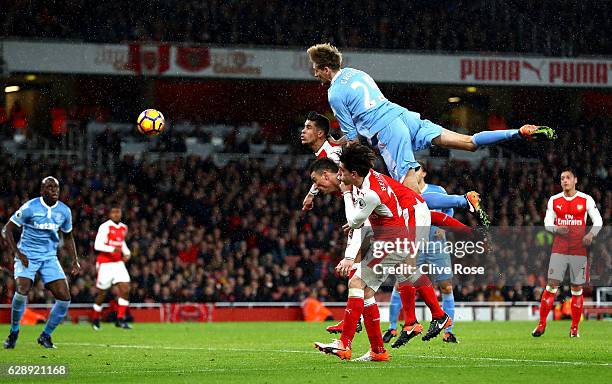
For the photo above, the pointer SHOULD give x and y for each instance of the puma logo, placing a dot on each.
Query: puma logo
(559, 206)
(532, 68)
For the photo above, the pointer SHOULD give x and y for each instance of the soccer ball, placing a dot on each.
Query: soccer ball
(150, 122)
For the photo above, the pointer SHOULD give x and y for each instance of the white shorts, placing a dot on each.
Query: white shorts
(110, 274)
(374, 271)
(422, 216)
(577, 265)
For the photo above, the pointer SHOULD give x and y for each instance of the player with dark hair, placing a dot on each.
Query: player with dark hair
(315, 135)
(566, 217)
(371, 196)
(41, 220)
(113, 252)
(362, 109)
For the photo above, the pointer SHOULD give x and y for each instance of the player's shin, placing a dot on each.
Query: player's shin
(547, 302)
(394, 308)
(97, 312)
(18, 307)
(353, 311)
(57, 314)
(123, 305)
(408, 296)
(371, 319)
(425, 290)
(577, 306)
(448, 305)
(436, 200)
(492, 137)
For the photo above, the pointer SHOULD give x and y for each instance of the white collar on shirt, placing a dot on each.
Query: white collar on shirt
(317, 153)
(42, 201)
(336, 76)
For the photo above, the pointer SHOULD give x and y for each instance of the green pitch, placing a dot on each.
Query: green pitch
(283, 353)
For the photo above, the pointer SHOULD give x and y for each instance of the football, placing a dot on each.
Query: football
(150, 122)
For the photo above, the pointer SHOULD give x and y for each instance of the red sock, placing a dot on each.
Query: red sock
(425, 290)
(121, 311)
(408, 296)
(546, 304)
(577, 303)
(371, 320)
(352, 314)
(95, 315)
(449, 223)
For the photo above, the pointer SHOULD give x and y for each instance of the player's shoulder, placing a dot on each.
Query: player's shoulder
(556, 197)
(32, 203)
(590, 202)
(584, 195)
(63, 206)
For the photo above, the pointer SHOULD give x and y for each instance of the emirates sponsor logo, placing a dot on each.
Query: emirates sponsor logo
(569, 220)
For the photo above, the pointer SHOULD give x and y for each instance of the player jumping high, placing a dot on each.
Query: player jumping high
(41, 219)
(362, 109)
(112, 254)
(376, 200)
(566, 218)
(315, 135)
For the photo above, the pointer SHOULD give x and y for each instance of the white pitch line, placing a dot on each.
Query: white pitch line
(499, 359)
(187, 348)
(512, 360)
(351, 365)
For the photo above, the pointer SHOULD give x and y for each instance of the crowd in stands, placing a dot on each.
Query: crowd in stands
(199, 232)
(569, 28)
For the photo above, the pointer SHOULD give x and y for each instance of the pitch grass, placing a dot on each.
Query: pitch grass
(283, 353)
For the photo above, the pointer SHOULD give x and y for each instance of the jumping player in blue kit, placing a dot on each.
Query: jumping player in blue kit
(434, 255)
(40, 220)
(362, 109)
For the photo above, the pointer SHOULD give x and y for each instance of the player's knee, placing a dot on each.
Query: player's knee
(22, 291)
(368, 293)
(576, 288)
(23, 288)
(356, 282)
(446, 288)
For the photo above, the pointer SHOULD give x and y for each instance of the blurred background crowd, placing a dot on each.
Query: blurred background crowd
(544, 27)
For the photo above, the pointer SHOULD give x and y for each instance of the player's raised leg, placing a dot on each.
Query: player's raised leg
(453, 140)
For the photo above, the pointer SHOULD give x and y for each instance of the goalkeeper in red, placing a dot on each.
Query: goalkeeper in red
(566, 217)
